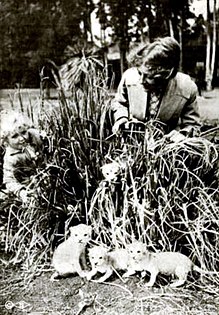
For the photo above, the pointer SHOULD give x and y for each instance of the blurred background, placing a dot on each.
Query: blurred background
(37, 32)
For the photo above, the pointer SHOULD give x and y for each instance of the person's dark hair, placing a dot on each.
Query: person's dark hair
(163, 52)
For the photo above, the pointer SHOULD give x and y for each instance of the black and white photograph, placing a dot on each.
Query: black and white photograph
(109, 157)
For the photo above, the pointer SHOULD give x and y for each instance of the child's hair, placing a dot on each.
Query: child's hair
(12, 122)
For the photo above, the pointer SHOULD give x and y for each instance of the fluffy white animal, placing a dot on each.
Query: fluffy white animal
(170, 263)
(69, 256)
(111, 171)
(106, 262)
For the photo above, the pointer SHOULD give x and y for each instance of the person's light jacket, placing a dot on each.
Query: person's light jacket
(20, 165)
(178, 108)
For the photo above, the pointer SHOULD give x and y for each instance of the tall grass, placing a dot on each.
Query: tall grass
(167, 195)
(69, 173)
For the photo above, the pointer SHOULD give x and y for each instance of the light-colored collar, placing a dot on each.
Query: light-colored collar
(12, 151)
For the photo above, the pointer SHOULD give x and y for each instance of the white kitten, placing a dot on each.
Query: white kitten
(111, 171)
(170, 263)
(104, 261)
(136, 252)
(69, 256)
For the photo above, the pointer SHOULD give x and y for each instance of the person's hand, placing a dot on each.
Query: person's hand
(130, 122)
(118, 124)
(26, 196)
(23, 195)
(175, 136)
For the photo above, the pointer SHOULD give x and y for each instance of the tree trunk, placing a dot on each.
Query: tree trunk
(171, 28)
(214, 42)
(181, 41)
(208, 71)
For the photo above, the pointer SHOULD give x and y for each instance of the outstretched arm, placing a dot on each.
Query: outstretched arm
(119, 105)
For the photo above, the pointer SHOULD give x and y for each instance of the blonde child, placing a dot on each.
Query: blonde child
(23, 145)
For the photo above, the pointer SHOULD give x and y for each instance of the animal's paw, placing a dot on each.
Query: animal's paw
(84, 274)
(148, 285)
(54, 280)
(127, 274)
(88, 275)
(97, 280)
(143, 274)
(54, 277)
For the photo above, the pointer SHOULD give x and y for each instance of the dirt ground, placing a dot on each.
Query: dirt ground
(74, 296)
(115, 298)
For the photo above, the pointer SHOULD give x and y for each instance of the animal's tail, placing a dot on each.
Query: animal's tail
(200, 270)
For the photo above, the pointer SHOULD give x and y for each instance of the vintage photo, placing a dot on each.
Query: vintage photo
(109, 168)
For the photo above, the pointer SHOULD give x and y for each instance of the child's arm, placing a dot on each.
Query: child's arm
(11, 183)
(36, 138)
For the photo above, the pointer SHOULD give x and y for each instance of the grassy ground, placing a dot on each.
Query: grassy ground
(40, 296)
(209, 104)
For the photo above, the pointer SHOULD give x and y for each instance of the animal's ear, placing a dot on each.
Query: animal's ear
(109, 259)
(107, 250)
(92, 249)
(127, 246)
(104, 250)
(144, 244)
(142, 238)
(144, 249)
(133, 239)
(123, 164)
(71, 229)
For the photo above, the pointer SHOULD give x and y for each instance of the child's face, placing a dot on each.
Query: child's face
(18, 139)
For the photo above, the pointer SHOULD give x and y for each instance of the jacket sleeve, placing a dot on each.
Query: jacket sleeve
(12, 184)
(119, 105)
(190, 118)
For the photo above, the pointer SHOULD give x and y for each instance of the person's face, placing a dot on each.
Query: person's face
(18, 138)
(154, 77)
